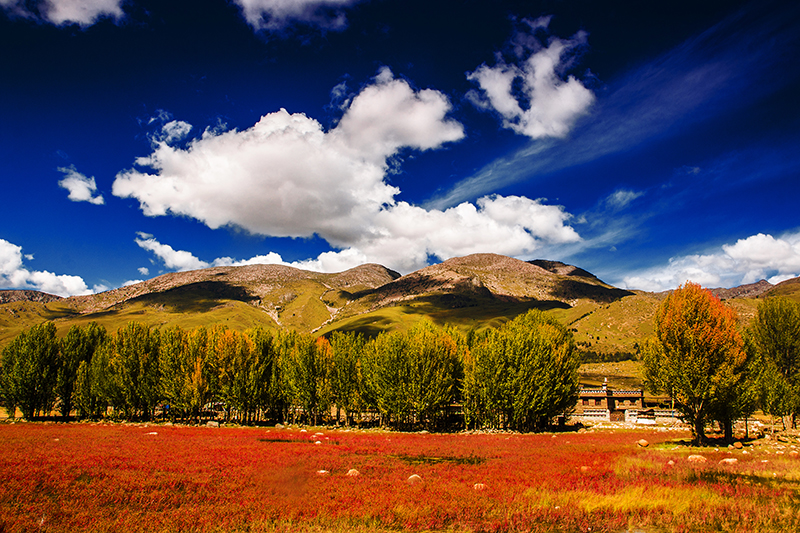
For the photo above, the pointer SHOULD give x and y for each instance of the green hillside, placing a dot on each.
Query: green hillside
(471, 293)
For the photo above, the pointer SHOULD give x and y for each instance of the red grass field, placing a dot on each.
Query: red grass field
(112, 478)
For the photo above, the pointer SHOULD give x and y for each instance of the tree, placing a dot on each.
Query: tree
(386, 377)
(94, 384)
(176, 369)
(775, 339)
(135, 370)
(77, 347)
(522, 375)
(308, 369)
(434, 359)
(346, 372)
(28, 373)
(697, 356)
(265, 381)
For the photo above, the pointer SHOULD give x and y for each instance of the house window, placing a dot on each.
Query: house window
(585, 401)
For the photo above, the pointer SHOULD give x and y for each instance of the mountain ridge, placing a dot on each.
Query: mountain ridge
(474, 291)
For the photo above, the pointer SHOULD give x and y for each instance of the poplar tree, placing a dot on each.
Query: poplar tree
(346, 372)
(29, 370)
(775, 338)
(134, 363)
(78, 346)
(521, 375)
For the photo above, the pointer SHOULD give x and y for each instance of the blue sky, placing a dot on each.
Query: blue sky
(650, 143)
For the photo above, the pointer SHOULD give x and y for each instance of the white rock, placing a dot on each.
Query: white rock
(729, 461)
(353, 472)
(696, 459)
(413, 479)
(479, 486)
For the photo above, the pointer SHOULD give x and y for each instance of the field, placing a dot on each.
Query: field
(123, 477)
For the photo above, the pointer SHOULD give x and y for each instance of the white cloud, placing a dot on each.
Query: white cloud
(545, 104)
(173, 259)
(403, 237)
(747, 261)
(286, 176)
(277, 14)
(175, 130)
(144, 271)
(58, 12)
(621, 198)
(81, 188)
(14, 275)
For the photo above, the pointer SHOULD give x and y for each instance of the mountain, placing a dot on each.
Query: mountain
(22, 295)
(472, 292)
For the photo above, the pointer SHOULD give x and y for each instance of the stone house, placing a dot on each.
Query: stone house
(609, 404)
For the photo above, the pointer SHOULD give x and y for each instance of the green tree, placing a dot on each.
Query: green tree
(412, 376)
(307, 369)
(346, 372)
(433, 356)
(266, 381)
(94, 383)
(176, 368)
(78, 346)
(775, 338)
(135, 370)
(231, 360)
(29, 368)
(521, 375)
(696, 356)
(387, 376)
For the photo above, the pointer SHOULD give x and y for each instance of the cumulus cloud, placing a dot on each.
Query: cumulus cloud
(532, 95)
(287, 177)
(173, 259)
(403, 237)
(175, 130)
(81, 188)
(277, 14)
(748, 260)
(14, 275)
(59, 12)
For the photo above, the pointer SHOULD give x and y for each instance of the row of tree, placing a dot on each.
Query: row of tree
(520, 375)
(712, 371)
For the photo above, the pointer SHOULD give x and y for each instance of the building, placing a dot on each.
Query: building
(608, 404)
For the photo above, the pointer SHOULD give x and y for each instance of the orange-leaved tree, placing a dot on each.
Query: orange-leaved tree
(696, 352)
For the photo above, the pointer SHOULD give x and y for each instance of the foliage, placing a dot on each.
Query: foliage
(29, 371)
(775, 340)
(346, 372)
(522, 374)
(308, 366)
(77, 347)
(697, 356)
(411, 376)
(134, 363)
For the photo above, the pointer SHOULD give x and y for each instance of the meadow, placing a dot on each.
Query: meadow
(97, 477)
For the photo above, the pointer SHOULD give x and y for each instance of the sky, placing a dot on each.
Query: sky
(651, 143)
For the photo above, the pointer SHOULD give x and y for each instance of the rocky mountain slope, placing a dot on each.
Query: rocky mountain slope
(475, 291)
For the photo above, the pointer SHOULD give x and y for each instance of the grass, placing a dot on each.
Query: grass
(102, 478)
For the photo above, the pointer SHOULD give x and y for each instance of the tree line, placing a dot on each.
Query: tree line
(713, 371)
(518, 376)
